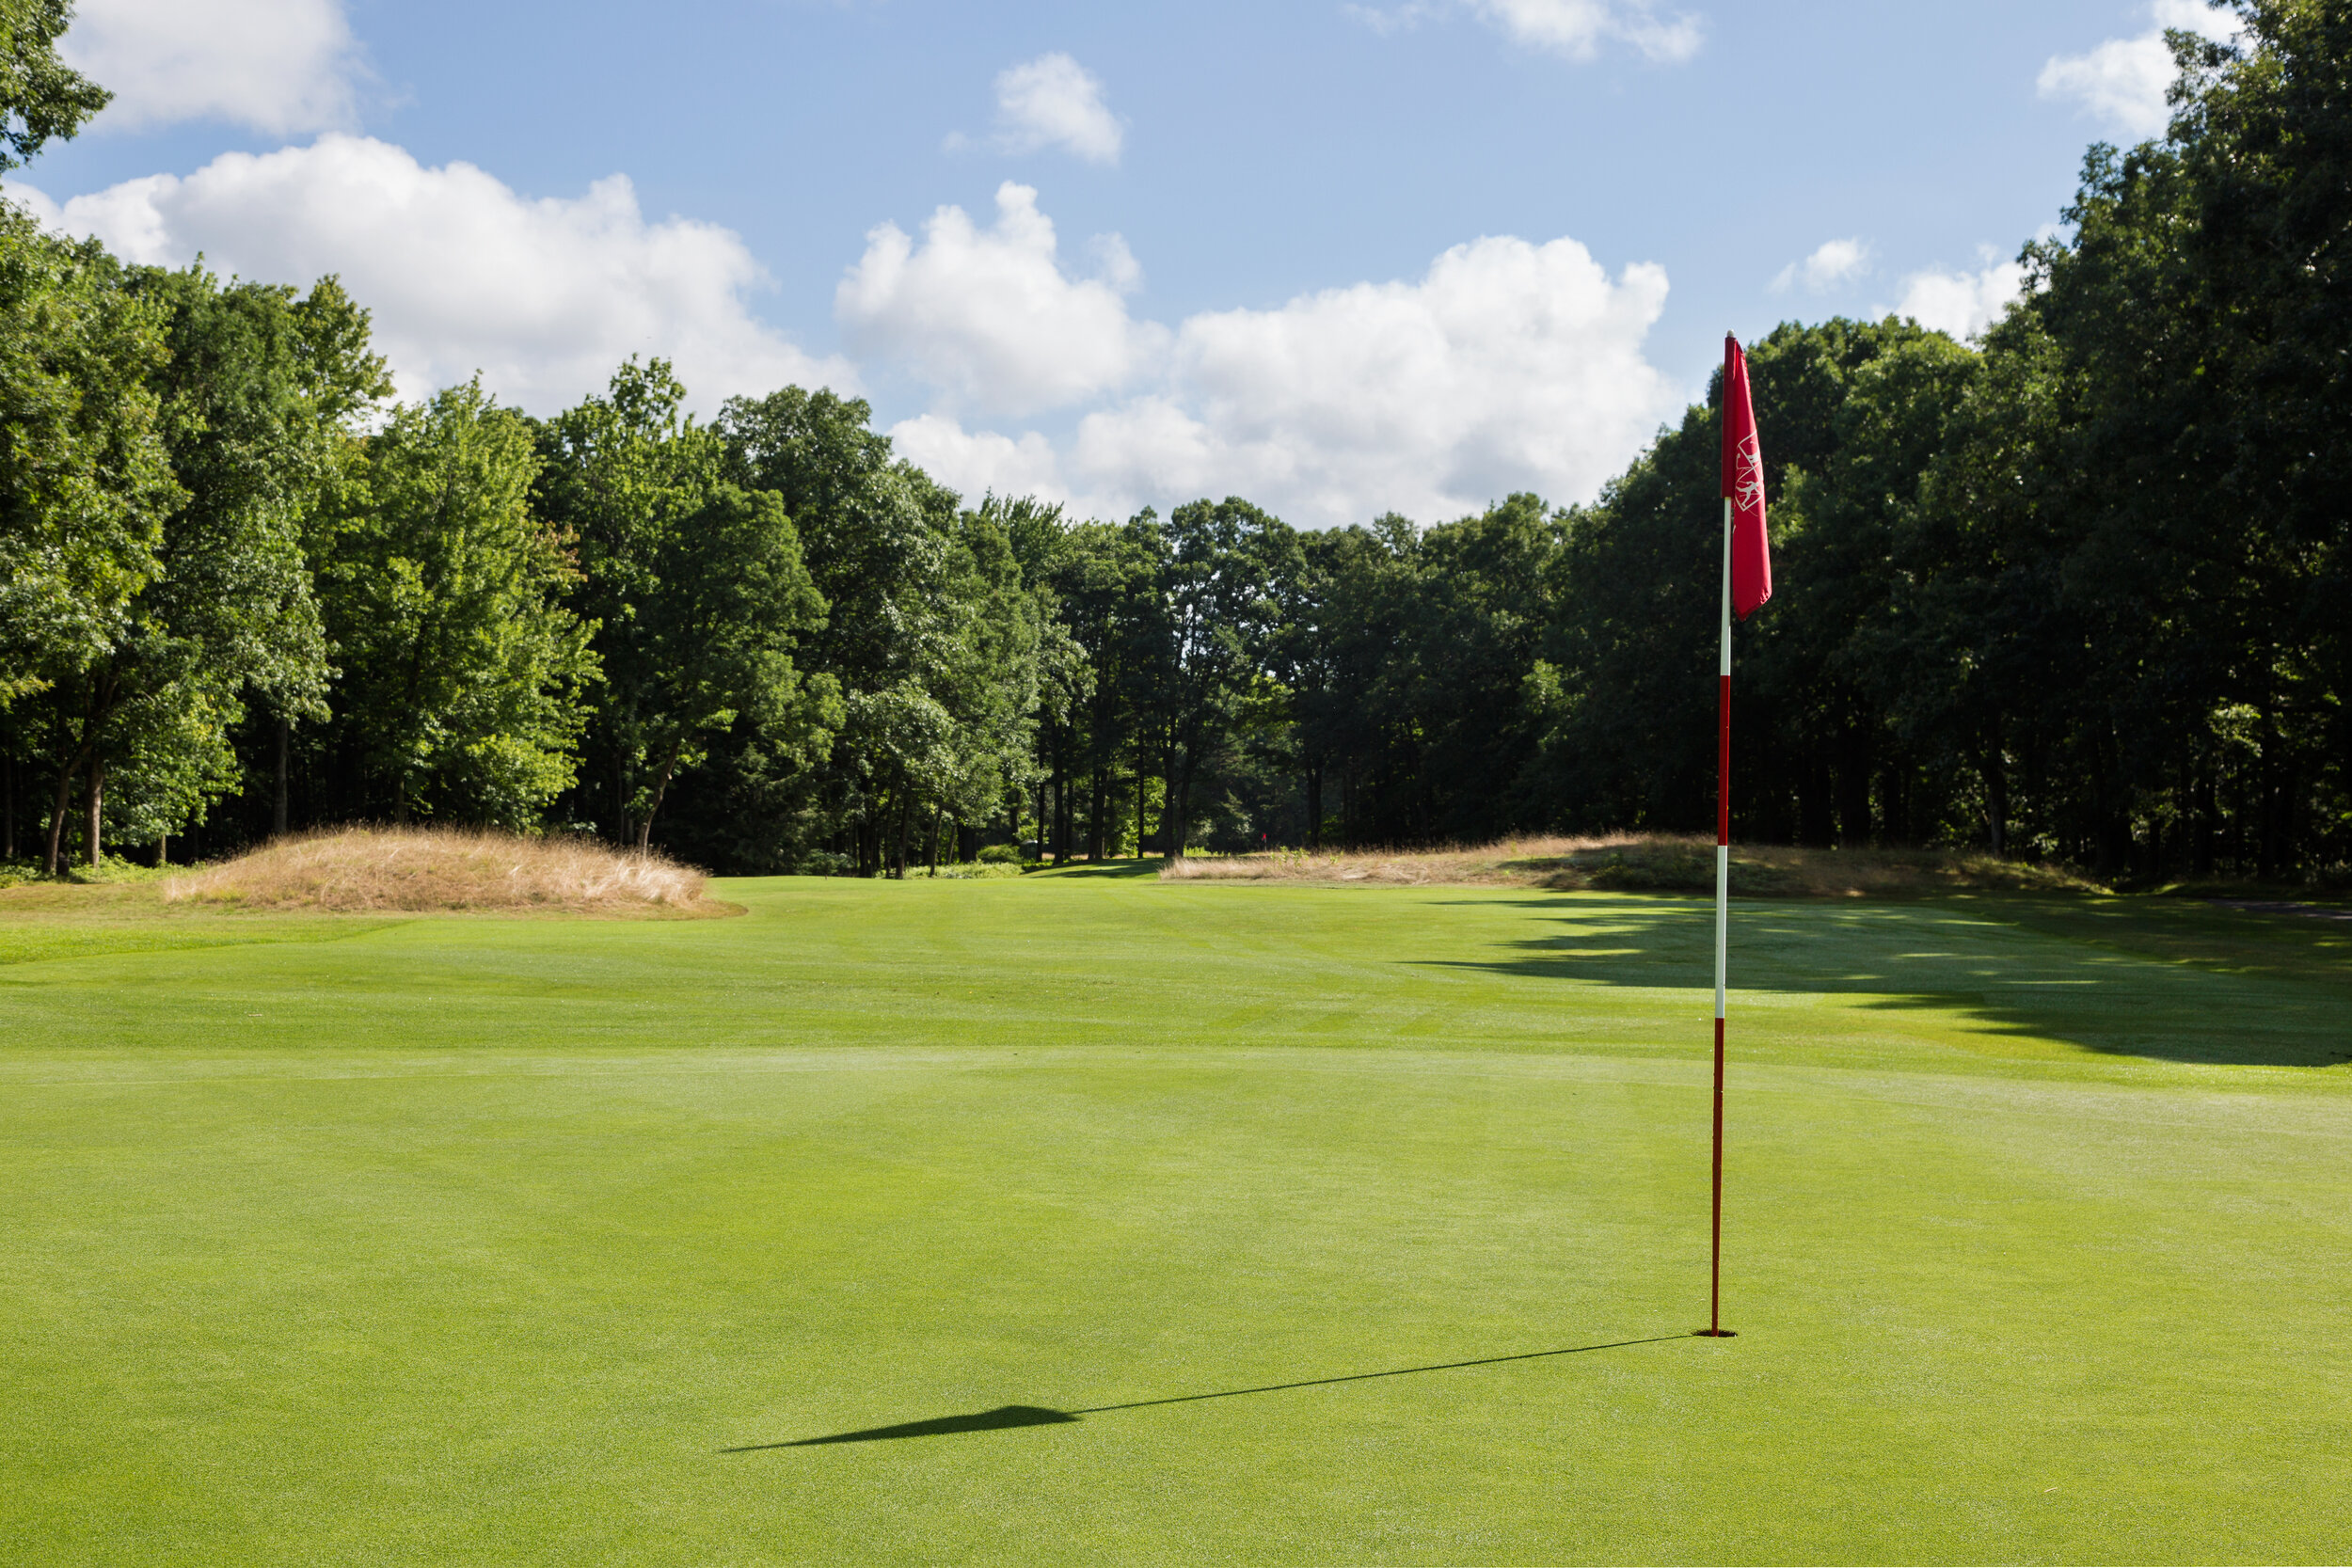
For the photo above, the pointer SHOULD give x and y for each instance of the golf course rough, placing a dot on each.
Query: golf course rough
(1080, 1209)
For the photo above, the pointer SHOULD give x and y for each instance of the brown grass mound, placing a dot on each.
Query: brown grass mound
(446, 868)
(1645, 863)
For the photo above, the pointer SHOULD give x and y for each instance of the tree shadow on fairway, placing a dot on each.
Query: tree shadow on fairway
(1078, 871)
(2007, 966)
(1008, 1416)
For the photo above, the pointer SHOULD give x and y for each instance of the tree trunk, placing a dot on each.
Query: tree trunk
(937, 812)
(1314, 808)
(1094, 817)
(1995, 769)
(163, 851)
(2207, 808)
(1176, 816)
(662, 785)
(1856, 757)
(2110, 841)
(285, 745)
(1895, 802)
(1143, 802)
(52, 863)
(1816, 816)
(94, 850)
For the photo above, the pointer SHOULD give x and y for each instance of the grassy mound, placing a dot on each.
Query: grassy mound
(1645, 863)
(421, 869)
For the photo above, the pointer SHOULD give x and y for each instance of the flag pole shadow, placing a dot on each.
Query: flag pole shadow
(1006, 1416)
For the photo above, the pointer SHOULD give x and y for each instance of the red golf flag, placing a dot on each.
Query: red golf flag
(1743, 485)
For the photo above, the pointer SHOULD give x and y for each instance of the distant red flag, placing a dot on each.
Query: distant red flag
(1743, 485)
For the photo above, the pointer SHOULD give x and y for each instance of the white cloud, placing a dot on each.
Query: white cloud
(544, 297)
(1961, 303)
(1576, 28)
(1837, 261)
(279, 66)
(2121, 83)
(989, 317)
(1053, 101)
(977, 462)
(1507, 366)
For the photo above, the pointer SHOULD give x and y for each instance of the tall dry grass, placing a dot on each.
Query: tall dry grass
(426, 868)
(1642, 862)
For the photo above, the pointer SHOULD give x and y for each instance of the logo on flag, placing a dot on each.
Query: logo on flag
(1747, 484)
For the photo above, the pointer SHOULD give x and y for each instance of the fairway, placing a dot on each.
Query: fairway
(1105, 1219)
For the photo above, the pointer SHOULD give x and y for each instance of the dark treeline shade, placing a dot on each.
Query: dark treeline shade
(2076, 591)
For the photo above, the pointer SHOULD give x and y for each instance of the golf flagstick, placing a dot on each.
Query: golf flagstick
(1747, 583)
(1723, 930)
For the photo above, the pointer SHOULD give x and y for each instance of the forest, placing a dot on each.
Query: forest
(2076, 591)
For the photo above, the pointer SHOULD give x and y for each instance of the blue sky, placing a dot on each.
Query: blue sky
(1341, 258)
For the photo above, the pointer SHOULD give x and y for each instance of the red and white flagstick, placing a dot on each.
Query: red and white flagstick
(1722, 932)
(1747, 583)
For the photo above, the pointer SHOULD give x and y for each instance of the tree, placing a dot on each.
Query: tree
(40, 96)
(86, 496)
(941, 648)
(463, 671)
(1221, 563)
(85, 478)
(1826, 678)
(697, 587)
(1106, 580)
(1630, 689)
(1483, 601)
(1345, 610)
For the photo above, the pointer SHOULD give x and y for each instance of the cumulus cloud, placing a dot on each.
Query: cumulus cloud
(1961, 303)
(279, 66)
(1578, 28)
(1837, 261)
(978, 461)
(2121, 83)
(1575, 28)
(544, 297)
(1053, 101)
(1507, 366)
(989, 317)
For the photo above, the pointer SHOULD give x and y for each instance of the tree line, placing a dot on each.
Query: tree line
(2076, 591)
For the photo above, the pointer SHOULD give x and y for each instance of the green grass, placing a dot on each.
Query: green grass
(485, 1241)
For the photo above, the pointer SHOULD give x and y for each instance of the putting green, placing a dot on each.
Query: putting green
(1105, 1219)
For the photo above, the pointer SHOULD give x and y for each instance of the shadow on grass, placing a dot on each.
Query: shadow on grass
(1085, 870)
(2107, 976)
(1008, 1416)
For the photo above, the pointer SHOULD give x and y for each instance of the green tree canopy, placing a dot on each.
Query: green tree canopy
(41, 96)
(697, 587)
(463, 671)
